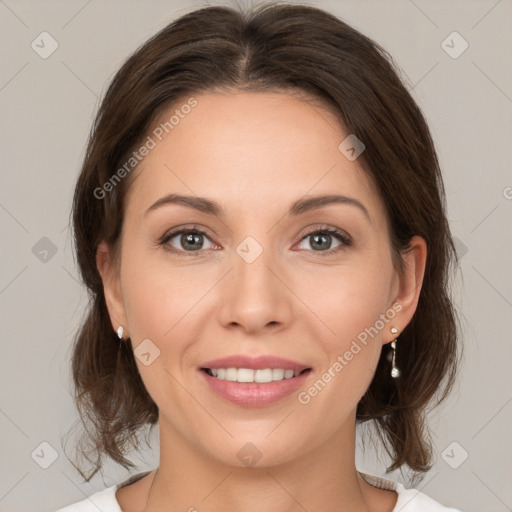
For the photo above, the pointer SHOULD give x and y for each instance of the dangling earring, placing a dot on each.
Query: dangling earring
(120, 332)
(395, 372)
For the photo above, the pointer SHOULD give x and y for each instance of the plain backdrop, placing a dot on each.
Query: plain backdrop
(47, 106)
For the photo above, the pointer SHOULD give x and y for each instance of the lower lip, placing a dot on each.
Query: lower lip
(249, 394)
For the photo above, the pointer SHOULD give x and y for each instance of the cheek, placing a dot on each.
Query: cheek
(157, 295)
(351, 301)
(164, 303)
(354, 317)
(352, 358)
(159, 303)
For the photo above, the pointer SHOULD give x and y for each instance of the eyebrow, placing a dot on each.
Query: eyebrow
(299, 207)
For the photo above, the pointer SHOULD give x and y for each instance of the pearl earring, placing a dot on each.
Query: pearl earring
(395, 372)
(120, 332)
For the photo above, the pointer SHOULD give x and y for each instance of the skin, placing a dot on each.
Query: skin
(255, 153)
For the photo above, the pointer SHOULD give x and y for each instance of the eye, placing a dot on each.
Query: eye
(186, 240)
(321, 240)
(192, 240)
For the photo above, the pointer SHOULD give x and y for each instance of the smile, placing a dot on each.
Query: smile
(246, 389)
(261, 376)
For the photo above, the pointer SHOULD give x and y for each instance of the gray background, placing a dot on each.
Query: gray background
(47, 108)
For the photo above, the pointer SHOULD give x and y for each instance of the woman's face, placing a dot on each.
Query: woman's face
(265, 279)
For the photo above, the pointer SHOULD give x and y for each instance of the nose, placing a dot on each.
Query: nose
(255, 296)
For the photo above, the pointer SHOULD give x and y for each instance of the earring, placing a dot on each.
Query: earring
(120, 332)
(395, 372)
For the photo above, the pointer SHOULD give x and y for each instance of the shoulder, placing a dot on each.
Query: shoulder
(101, 500)
(409, 500)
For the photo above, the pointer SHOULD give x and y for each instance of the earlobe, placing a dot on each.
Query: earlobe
(111, 286)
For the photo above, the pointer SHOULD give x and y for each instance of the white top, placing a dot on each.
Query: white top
(409, 500)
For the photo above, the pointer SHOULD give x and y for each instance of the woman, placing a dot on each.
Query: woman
(260, 221)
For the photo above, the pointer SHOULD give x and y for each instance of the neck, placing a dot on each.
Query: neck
(321, 479)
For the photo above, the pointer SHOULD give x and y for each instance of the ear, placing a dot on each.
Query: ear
(111, 287)
(409, 285)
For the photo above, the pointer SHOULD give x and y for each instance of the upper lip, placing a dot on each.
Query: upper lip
(254, 363)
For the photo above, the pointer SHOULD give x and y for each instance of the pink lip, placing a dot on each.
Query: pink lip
(264, 361)
(249, 394)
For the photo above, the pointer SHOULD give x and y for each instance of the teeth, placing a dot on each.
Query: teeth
(249, 375)
(277, 374)
(288, 374)
(231, 374)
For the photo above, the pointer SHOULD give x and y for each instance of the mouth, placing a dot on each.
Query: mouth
(254, 381)
(250, 375)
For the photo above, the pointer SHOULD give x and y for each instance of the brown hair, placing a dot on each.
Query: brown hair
(272, 47)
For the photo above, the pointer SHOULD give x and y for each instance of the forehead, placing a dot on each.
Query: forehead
(246, 148)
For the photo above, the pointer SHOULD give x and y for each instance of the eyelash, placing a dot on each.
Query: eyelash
(339, 235)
